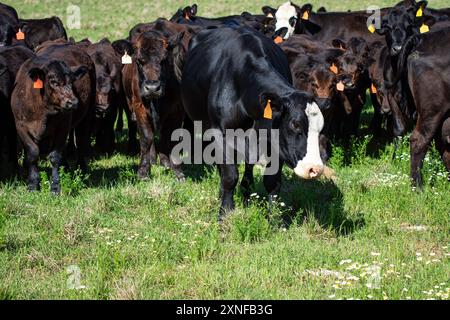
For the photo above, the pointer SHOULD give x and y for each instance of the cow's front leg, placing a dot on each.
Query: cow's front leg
(420, 141)
(272, 183)
(146, 137)
(229, 177)
(32, 158)
(55, 158)
(247, 182)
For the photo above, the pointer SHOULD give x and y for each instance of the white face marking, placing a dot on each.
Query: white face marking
(285, 12)
(311, 166)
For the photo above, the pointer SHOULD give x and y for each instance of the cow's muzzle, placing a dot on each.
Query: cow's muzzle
(71, 105)
(152, 89)
(395, 50)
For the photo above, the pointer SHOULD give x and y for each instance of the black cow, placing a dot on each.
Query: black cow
(37, 31)
(424, 63)
(229, 78)
(188, 15)
(54, 93)
(9, 22)
(151, 84)
(11, 58)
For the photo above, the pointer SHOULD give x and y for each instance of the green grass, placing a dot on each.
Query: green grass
(159, 239)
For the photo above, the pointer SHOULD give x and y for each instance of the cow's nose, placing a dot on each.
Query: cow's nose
(315, 172)
(323, 103)
(72, 104)
(396, 49)
(349, 84)
(151, 87)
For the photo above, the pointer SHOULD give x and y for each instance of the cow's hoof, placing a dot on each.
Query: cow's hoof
(55, 190)
(34, 188)
(143, 174)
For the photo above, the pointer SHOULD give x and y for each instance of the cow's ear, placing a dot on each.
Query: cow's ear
(322, 10)
(194, 9)
(122, 46)
(269, 12)
(305, 11)
(36, 73)
(272, 101)
(421, 5)
(78, 72)
(429, 20)
(339, 44)
(279, 35)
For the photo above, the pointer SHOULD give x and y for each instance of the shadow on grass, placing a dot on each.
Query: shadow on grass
(321, 199)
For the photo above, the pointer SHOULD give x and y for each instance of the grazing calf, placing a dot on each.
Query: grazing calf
(53, 94)
(37, 31)
(151, 84)
(11, 58)
(230, 78)
(8, 25)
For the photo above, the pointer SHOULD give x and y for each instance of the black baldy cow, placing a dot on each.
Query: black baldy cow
(229, 77)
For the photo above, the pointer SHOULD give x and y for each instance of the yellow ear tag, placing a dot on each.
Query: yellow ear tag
(372, 28)
(334, 69)
(268, 111)
(126, 59)
(373, 89)
(419, 12)
(20, 35)
(340, 86)
(424, 28)
(38, 84)
(305, 15)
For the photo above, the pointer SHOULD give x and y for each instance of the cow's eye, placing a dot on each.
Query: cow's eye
(296, 125)
(293, 21)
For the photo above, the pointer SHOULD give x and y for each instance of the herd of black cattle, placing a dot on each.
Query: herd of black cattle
(311, 69)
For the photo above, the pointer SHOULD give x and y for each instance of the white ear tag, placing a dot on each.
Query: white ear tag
(126, 59)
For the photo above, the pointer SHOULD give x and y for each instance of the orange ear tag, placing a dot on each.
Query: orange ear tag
(20, 35)
(334, 69)
(38, 84)
(305, 15)
(186, 16)
(340, 86)
(268, 111)
(373, 89)
(278, 40)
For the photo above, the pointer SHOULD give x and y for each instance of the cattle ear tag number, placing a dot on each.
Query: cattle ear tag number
(305, 15)
(419, 12)
(373, 89)
(334, 69)
(20, 35)
(268, 111)
(38, 84)
(126, 59)
(278, 40)
(424, 28)
(371, 28)
(340, 86)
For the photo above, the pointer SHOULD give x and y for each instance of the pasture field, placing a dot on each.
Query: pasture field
(367, 235)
